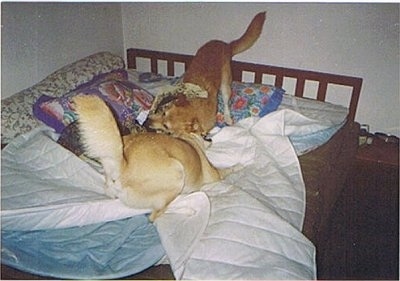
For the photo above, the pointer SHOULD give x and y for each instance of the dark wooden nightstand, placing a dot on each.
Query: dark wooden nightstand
(373, 212)
(364, 227)
(379, 152)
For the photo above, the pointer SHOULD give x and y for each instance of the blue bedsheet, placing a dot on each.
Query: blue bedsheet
(99, 251)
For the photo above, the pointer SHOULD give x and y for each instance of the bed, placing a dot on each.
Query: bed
(215, 239)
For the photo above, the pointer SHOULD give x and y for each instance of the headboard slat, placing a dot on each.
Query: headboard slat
(278, 81)
(154, 65)
(170, 68)
(322, 88)
(258, 77)
(299, 91)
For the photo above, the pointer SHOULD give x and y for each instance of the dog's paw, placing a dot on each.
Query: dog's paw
(112, 189)
(155, 214)
(228, 120)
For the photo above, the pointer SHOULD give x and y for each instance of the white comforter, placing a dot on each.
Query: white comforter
(246, 227)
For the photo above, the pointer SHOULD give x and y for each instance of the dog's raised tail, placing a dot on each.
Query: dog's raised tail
(100, 134)
(251, 35)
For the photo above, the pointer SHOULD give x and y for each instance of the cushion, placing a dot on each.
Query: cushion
(16, 110)
(250, 99)
(126, 99)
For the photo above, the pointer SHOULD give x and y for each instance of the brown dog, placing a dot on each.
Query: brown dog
(211, 70)
(144, 170)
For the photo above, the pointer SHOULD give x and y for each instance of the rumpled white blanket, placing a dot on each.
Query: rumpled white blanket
(256, 214)
(246, 227)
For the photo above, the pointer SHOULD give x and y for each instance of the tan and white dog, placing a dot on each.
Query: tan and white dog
(143, 170)
(211, 70)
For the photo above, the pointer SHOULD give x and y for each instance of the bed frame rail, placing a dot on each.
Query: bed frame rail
(258, 70)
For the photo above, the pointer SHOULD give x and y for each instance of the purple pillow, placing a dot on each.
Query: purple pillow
(125, 98)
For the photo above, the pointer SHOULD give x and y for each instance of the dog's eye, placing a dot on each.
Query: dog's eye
(166, 126)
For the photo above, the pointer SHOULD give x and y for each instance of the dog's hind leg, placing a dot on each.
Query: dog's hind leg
(225, 88)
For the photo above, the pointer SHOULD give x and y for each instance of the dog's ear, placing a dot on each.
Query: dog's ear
(163, 103)
(181, 100)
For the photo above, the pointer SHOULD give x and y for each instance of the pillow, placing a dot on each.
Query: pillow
(126, 99)
(250, 99)
(16, 111)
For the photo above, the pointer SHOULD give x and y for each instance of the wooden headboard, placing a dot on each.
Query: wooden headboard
(258, 70)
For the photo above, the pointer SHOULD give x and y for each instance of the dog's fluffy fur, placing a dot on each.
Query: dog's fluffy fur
(211, 70)
(145, 170)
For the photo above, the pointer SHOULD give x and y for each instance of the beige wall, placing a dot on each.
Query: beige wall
(39, 38)
(353, 39)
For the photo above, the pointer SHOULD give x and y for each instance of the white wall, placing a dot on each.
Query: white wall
(39, 38)
(353, 39)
